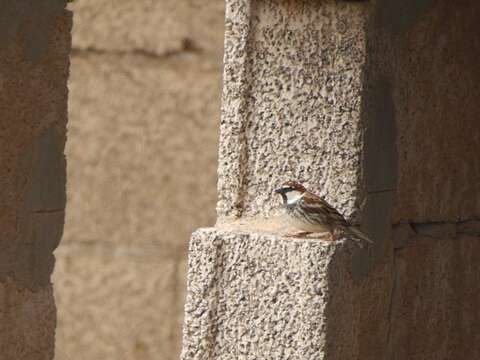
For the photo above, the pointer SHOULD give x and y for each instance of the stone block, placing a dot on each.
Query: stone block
(116, 302)
(34, 65)
(257, 295)
(27, 322)
(144, 107)
(144, 124)
(291, 103)
(33, 72)
(157, 28)
(434, 311)
(436, 90)
(47, 179)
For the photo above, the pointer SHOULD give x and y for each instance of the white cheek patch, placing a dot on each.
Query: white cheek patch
(293, 196)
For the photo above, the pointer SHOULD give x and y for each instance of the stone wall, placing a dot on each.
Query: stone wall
(433, 84)
(375, 106)
(144, 112)
(434, 300)
(34, 52)
(436, 84)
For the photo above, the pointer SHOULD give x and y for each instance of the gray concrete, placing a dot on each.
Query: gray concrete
(291, 103)
(257, 295)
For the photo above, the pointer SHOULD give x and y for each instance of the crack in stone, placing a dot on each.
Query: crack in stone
(381, 191)
(439, 229)
(48, 211)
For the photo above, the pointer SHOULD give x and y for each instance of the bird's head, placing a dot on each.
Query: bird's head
(291, 192)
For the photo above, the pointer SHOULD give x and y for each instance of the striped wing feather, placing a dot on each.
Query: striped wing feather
(314, 210)
(324, 211)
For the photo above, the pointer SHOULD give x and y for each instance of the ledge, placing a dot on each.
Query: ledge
(257, 294)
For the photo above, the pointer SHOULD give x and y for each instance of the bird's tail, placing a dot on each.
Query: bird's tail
(359, 235)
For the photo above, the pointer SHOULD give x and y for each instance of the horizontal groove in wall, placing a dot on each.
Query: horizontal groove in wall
(141, 250)
(187, 47)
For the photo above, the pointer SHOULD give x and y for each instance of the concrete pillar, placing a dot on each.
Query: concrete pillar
(341, 95)
(34, 51)
(291, 110)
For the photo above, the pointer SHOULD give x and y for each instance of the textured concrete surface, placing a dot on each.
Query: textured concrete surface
(291, 109)
(34, 49)
(144, 110)
(254, 295)
(291, 103)
(434, 311)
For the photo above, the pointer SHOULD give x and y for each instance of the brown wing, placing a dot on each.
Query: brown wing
(324, 210)
(320, 210)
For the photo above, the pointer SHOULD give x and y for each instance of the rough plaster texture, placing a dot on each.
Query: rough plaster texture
(144, 109)
(291, 103)
(34, 49)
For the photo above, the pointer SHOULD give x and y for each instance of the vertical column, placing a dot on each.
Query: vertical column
(291, 103)
(34, 51)
(292, 109)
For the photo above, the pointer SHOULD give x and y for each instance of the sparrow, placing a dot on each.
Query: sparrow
(312, 214)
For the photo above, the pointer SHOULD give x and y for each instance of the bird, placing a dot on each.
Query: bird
(309, 213)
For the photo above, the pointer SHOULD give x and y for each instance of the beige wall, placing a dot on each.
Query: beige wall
(142, 147)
